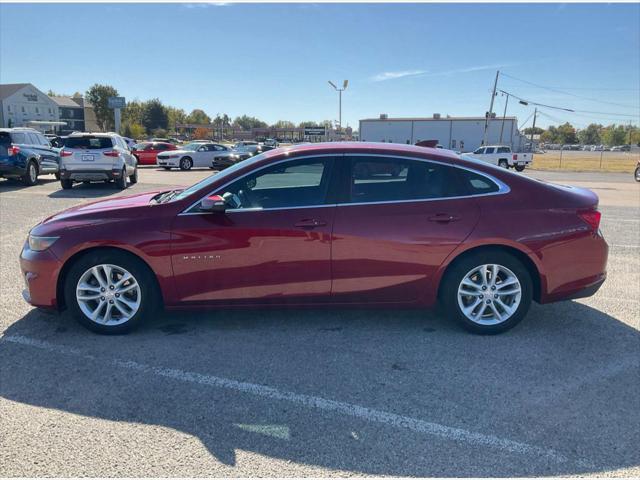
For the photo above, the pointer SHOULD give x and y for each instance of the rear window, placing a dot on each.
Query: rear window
(476, 183)
(5, 138)
(88, 143)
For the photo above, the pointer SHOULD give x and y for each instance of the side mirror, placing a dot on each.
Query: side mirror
(213, 203)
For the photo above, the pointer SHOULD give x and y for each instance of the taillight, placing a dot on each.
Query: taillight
(110, 153)
(13, 150)
(515, 156)
(65, 153)
(591, 218)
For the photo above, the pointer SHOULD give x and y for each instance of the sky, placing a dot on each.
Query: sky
(273, 61)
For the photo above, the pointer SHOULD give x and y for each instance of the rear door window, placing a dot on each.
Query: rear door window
(88, 143)
(32, 139)
(380, 179)
(19, 138)
(489, 150)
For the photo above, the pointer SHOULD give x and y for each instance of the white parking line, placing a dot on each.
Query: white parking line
(623, 246)
(314, 402)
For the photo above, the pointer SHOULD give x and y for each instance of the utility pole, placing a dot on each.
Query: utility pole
(339, 90)
(533, 129)
(504, 115)
(488, 115)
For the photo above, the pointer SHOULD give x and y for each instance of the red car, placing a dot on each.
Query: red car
(297, 226)
(146, 152)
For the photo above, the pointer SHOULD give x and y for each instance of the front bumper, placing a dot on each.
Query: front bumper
(40, 272)
(89, 175)
(168, 162)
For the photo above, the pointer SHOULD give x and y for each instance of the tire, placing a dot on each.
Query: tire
(128, 308)
(134, 177)
(30, 177)
(57, 175)
(186, 163)
(478, 319)
(121, 181)
(66, 184)
(503, 164)
(519, 168)
(637, 174)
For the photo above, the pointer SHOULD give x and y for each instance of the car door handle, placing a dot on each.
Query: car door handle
(310, 223)
(443, 218)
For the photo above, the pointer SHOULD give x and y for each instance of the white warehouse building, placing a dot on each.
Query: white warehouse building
(463, 134)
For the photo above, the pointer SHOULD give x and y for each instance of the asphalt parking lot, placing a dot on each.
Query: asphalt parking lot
(322, 392)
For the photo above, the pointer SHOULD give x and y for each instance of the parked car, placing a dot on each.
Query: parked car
(25, 154)
(636, 173)
(502, 156)
(55, 141)
(91, 157)
(247, 147)
(146, 152)
(270, 142)
(196, 154)
(296, 227)
(621, 148)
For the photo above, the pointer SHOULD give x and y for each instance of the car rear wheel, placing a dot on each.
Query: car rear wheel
(121, 181)
(66, 184)
(30, 177)
(186, 163)
(110, 292)
(487, 292)
(637, 174)
(503, 164)
(134, 177)
(519, 168)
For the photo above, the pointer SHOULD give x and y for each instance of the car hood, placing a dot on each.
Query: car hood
(112, 209)
(175, 152)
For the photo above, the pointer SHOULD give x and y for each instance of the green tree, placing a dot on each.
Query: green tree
(198, 116)
(133, 111)
(137, 131)
(567, 134)
(154, 115)
(98, 96)
(535, 131)
(247, 123)
(615, 135)
(175, 115)
(590, 135)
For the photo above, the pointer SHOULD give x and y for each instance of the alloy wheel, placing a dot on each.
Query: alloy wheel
(108, 294)
(489, 294)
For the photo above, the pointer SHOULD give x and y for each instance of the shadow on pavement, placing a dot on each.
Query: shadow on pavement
(566, 379)
(89, 190)
(12, 184)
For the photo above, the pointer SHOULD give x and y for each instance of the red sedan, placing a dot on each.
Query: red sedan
(147, 152)
(299, 226)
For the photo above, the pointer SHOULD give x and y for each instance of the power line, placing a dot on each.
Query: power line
(554, 89)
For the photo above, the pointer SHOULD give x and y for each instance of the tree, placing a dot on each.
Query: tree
(284, 124)
(137, 131)
(247, 123)
(201, 133)
(590, 135)
(175, 115)
(535, 131)
(133, 112)
(198, 117)
(154, 115)
(550, 135)
(567, 134)
(98, 96)
(615, 135)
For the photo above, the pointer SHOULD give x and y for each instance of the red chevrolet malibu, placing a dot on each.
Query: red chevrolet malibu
(307, 226)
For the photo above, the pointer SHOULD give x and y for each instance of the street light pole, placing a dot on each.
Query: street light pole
(504, 115)
(339, 90)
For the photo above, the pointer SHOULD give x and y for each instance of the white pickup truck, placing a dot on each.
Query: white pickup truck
(502, 156)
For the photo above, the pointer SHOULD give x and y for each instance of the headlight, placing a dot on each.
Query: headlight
(38, 244)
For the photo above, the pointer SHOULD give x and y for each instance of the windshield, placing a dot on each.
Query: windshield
(218, 176)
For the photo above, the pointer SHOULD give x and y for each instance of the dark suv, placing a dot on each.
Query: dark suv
(25, 153)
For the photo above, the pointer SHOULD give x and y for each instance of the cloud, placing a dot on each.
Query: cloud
(381, 77)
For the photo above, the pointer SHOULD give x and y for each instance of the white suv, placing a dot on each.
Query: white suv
(94, 157)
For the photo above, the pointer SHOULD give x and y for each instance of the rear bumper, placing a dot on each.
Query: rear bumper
(575, 269)
(89, 175)
(11, 169)
(40, 272)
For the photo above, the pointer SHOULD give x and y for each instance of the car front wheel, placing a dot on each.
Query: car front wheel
(110, 292)
(186, 163)
(487, 292)
(637, 174)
